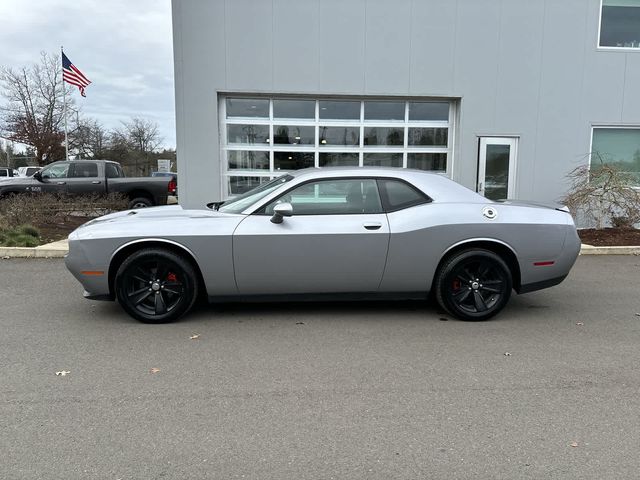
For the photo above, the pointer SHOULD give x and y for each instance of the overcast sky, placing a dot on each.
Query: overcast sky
(123, 47)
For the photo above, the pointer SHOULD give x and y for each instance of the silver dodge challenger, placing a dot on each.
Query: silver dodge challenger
(331, 233)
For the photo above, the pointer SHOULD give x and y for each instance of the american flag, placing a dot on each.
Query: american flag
(71, 74)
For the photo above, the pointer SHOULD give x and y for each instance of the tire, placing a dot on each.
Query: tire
(156, 286)
(140, 202)
(473, 285)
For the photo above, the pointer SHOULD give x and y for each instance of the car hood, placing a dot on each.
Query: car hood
(164, 213)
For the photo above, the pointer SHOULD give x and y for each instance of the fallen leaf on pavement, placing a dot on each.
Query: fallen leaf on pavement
(194, 337)
(579, 323)
(574, 444)
(507, 354)
(154, 370)
(63, 373)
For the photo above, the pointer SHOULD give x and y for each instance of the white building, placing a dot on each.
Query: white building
(505, 97)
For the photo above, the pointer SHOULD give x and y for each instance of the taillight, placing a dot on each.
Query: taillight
(172, 187)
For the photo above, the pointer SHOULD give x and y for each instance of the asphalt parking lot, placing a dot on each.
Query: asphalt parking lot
(335, 390)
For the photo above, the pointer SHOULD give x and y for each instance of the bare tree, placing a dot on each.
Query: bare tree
(89, 138)
(33, 111)
(142, 135)
(135, 144)
(603, 194)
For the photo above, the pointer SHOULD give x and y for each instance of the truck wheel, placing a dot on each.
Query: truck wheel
(140, 202)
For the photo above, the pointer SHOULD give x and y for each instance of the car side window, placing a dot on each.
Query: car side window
(111, 170)
(398, 195)
(83, 170)
(59, 170)
(332, 197)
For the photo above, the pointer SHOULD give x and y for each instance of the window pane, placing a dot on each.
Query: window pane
(400, 195)
(340, 136)
(383, 136)
(619, 147)
(331, 159)
(84, 170)
(295, 135)
(247, 107)
(238, 185)
(429, 111)
(293, 160)
(339, 110)
(247, 160)
(382, 160)
(294, 109)
(428, 136)
(111, 170)
(620, 24)
(248, 134)
(56, 171)
(384, 110)
(333, 197)
(427, 161)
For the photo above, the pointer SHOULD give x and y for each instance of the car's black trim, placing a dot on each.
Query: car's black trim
(532, 287)
(105, 297)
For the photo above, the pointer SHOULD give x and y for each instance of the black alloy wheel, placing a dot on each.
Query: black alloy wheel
(474, 285)
(156, 285)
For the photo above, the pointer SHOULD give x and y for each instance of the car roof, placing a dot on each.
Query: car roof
(437, 185)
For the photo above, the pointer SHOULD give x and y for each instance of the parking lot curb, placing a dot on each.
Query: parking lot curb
(50, 250)
(592, 250)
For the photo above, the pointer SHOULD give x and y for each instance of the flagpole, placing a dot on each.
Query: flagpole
(64, 110)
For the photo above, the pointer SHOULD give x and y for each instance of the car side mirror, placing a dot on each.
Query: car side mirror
(280, 211)
(38, 176)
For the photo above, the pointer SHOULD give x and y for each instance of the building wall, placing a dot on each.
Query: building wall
(529, 68)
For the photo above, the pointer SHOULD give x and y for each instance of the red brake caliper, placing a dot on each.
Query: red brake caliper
(172, 277)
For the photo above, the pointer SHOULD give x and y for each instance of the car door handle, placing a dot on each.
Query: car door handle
(372, 225)
(61, 183)
(96, 182)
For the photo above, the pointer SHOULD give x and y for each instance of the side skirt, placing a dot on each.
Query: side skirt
(321, 297)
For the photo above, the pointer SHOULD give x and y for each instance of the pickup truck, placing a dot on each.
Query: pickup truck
(87, 177)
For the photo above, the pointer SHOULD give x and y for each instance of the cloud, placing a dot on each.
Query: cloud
(124, 47)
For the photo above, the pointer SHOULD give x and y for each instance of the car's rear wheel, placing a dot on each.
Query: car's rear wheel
(156, 286)
(473, 284)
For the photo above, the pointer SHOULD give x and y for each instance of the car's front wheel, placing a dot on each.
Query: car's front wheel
(473, 284)
(154, 285)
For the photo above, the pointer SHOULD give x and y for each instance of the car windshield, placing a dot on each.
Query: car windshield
(241, 202)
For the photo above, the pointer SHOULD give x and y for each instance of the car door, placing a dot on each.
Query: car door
(335, 242)
(54, 179)
(83, 179)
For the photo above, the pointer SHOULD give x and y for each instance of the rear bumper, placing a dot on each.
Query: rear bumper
(532, 287)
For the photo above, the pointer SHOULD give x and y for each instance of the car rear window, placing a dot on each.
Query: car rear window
(398, 195)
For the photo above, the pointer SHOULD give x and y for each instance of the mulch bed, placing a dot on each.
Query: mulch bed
(52, 232)
(610, 237)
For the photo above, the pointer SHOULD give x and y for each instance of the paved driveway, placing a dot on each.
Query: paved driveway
(296, 391)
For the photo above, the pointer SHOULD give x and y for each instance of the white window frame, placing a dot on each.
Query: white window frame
(317, 123)
(613, 127)
(619, 49)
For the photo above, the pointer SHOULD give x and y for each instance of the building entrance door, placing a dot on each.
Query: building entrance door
(497, 167)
